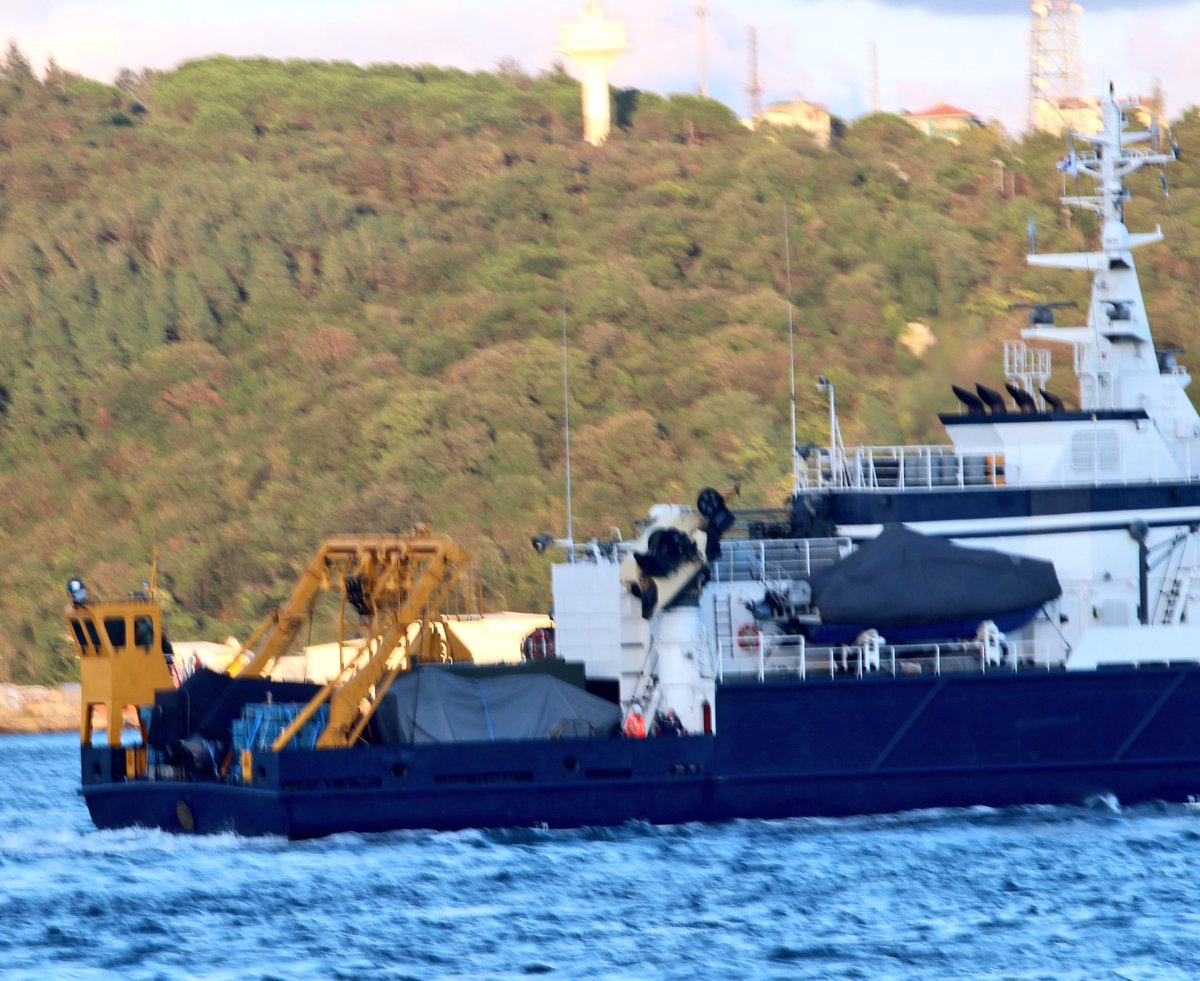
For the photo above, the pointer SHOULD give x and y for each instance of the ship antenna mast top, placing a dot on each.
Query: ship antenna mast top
(1114, 351)
(1110, 160)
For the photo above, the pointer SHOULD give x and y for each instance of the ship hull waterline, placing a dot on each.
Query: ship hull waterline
(827, 748)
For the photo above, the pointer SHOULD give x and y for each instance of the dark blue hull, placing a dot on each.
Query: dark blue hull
(818, 747)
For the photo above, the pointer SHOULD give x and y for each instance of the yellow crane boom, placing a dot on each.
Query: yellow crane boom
(392, 581)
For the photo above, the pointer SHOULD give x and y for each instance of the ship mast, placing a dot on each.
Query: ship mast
(1115, 360)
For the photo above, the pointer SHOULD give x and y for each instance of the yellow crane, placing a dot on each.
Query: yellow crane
(397, 584)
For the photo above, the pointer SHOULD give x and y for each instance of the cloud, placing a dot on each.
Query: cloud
(98, 40)
(817, 48)
(993, 7)
(25, 8)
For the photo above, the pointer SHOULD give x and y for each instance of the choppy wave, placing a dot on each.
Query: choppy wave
(1026, 893)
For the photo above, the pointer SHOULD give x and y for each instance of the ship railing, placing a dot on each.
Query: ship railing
(1094, 457)
(881, 468)
(791, 656)
(611, 549)
(1127, 153)
(776, 559)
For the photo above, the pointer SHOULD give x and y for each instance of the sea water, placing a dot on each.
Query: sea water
(1055, 893)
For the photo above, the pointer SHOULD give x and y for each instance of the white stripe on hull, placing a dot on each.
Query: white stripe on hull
(1034, 524)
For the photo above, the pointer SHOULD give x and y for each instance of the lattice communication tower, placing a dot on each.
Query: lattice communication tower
(1056, 79)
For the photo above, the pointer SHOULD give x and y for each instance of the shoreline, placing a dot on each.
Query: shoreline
(30, 710)
(26, 725)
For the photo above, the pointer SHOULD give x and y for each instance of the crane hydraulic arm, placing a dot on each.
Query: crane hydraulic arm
(374, 573)
(393, 582)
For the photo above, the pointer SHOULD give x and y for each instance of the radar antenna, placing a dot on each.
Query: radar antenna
(1042, 314)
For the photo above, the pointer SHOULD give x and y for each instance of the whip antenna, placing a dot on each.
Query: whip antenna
(567, 421)
(787, 252)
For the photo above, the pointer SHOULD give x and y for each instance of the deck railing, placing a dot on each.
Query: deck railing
(792, 657)
(904, 468)
(887, 469)
(771, 559)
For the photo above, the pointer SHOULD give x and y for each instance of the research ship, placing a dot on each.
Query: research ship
(1011, 618)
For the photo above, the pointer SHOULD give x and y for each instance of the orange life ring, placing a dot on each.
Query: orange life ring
(748, 637)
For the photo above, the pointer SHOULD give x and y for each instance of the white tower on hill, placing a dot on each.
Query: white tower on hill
(1058, 101)
(594, 44)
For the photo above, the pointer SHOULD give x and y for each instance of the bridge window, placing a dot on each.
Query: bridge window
(115, 628)
(85, 633)
(143, 632)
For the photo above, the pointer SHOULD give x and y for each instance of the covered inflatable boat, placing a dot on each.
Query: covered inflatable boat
(911, 587)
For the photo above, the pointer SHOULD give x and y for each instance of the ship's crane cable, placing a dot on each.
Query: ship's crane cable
(1061, 636)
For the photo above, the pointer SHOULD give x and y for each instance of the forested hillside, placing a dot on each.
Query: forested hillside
(245, 304)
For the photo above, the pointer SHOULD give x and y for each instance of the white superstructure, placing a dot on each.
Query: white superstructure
(1108, 493)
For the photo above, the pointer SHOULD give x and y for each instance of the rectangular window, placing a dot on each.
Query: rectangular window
(115, 628)
(143, 632)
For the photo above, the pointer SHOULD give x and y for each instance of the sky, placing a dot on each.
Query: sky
(971, 53)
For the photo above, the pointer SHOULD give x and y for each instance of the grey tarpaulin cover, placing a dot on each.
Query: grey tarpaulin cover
(434, 705)
(903, 577)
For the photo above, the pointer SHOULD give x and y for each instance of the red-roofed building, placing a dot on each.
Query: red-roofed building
(943, 120)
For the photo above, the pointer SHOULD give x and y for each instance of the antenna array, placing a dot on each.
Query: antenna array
(1056, 80)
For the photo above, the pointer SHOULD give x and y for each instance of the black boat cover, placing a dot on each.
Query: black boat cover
(904, 578)
(207, 703)
(434, 705)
